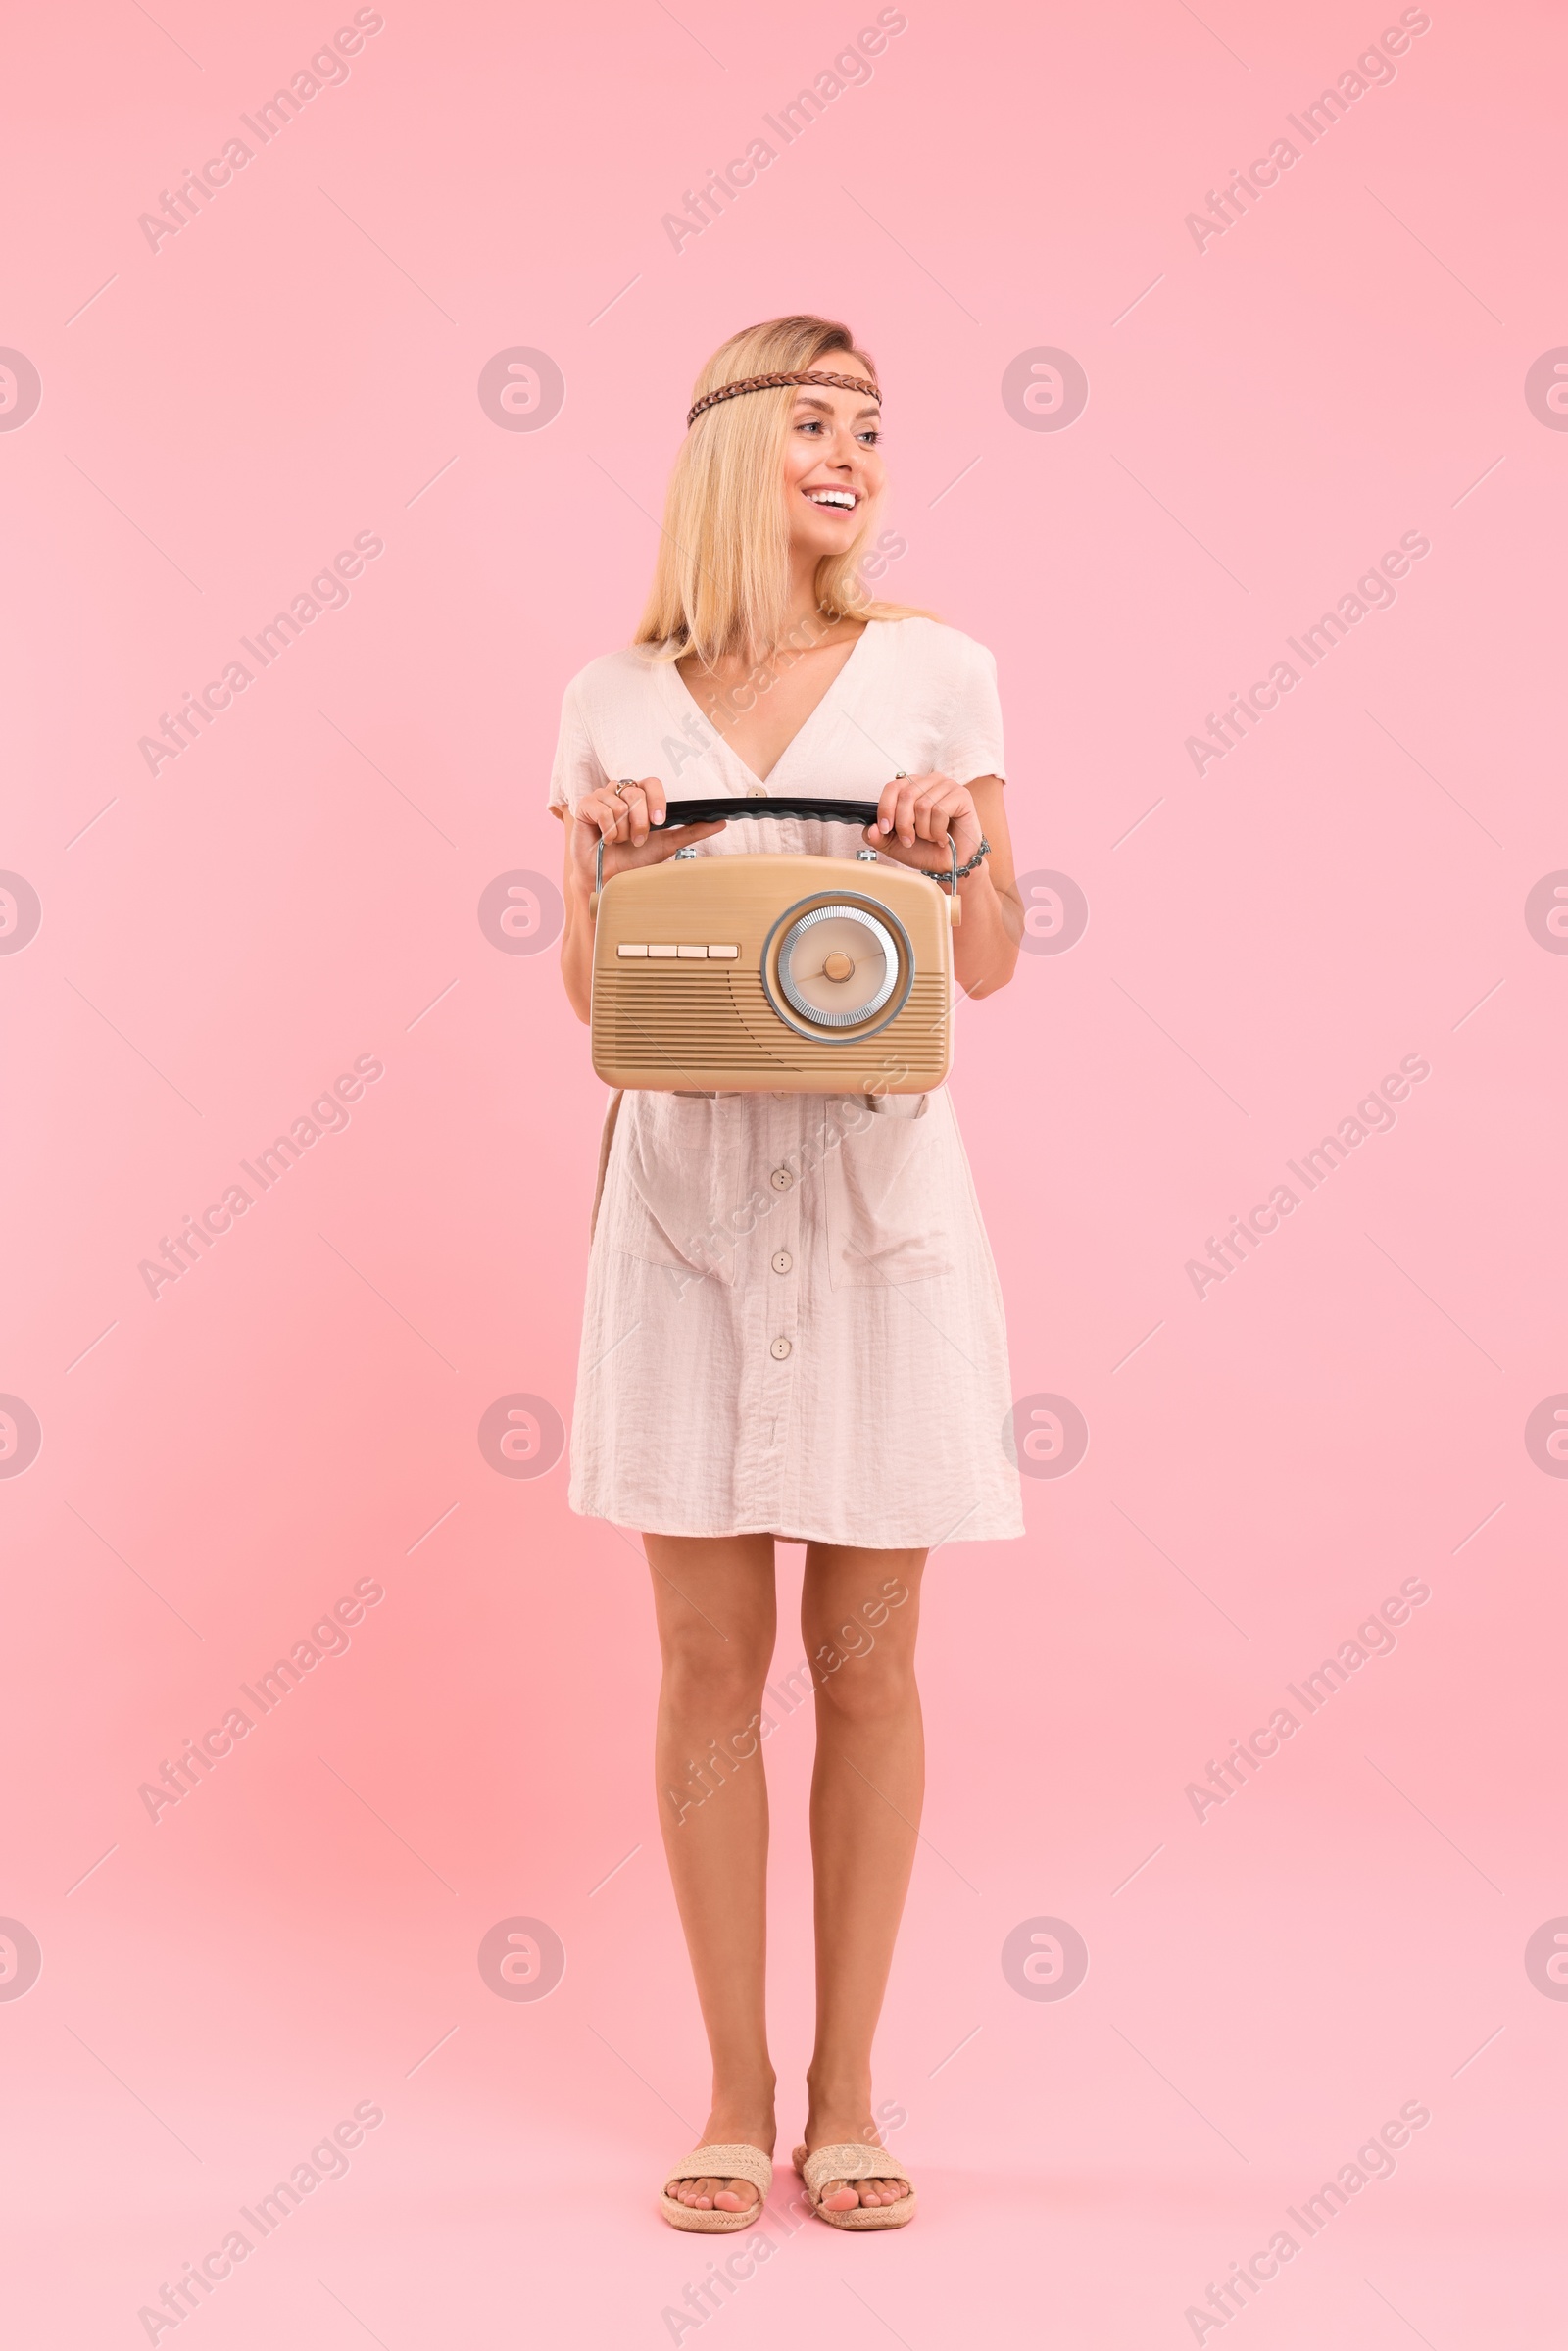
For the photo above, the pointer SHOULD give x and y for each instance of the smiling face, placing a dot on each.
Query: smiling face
(832, 469)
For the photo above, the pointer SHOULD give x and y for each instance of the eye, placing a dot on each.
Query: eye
(810, 425)
(871, 436)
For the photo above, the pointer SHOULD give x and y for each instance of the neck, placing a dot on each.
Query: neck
(804, 622)
(805, 627)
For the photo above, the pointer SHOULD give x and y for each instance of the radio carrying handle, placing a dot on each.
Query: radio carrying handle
(859, 812)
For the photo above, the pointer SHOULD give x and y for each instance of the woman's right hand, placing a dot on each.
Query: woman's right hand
(630, 823)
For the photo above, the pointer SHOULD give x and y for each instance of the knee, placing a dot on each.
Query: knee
(703, 1679)
(870, 1689)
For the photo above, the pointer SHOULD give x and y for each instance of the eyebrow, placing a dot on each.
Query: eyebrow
(813, 400)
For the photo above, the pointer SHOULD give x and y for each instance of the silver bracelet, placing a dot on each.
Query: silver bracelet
(983, 850)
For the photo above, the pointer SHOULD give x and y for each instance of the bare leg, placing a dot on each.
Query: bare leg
(718, 1614)
(866, 1793)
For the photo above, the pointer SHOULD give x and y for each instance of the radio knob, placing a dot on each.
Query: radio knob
(837, 965)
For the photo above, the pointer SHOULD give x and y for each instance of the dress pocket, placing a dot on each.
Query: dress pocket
(676, 1182)
(887, 1206)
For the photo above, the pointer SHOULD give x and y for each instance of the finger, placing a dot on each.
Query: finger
(938, 808)
(633, 801)
(603, 810)
(891, 846)
(887, 810)
(904, 811)
(886, 807)
(655, 848)
(653, 792)
(930, 822)
(652, 848)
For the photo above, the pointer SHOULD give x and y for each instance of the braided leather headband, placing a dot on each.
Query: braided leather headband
(767, 383)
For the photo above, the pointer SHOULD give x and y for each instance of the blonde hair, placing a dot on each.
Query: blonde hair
(721, 581)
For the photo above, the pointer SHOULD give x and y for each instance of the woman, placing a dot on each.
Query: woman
(793, 1329)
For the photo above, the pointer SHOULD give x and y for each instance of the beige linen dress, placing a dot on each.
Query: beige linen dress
(793, 1323)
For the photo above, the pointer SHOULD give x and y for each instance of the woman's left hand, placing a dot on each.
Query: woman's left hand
(916, 818)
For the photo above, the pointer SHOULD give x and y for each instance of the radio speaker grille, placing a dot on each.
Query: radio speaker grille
(722, 1021)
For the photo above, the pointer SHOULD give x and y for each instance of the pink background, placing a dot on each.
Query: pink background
(301, 886)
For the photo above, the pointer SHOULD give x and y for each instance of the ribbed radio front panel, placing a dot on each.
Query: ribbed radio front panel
(668, 1024)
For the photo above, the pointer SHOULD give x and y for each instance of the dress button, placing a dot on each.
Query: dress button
(782, 1260)
(781, 1179)
(779, 1349)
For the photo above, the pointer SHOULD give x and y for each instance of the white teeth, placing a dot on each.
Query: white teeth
(845, 498)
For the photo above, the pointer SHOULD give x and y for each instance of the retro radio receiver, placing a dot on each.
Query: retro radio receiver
(788, 974)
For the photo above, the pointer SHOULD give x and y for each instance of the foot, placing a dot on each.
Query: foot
(737, 2126)
(827, 2127)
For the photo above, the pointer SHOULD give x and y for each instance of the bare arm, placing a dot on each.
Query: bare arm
(915, 817)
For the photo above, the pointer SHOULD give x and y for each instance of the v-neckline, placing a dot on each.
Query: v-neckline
(813, 714)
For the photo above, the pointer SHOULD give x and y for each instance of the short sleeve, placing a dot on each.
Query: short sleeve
(576, 770)
(971, 744)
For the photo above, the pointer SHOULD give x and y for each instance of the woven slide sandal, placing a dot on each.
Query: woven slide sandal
(855, 2163)
(719, 2162)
